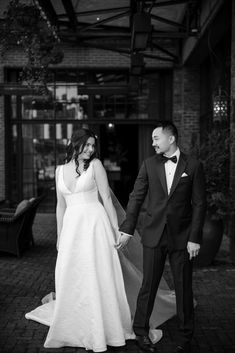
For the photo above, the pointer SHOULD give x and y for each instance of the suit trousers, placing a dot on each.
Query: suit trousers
(153, 266)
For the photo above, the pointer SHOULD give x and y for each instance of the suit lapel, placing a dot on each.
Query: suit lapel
(161, 173)
(179, 171)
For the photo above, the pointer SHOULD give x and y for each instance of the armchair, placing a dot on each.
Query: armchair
(16, 226)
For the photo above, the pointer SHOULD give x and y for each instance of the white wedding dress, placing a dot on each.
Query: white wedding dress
(94, 282)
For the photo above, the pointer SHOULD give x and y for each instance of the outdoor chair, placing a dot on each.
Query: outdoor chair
(16, 226)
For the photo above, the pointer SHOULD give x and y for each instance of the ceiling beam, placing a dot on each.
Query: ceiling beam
(118, 34)
(68, 6)
(168, 3)
(98, 12)
(163, 50)
(207, 18)
(158, 57)
(109, 19)
(173, 35)
(114, 29)
(169, 22)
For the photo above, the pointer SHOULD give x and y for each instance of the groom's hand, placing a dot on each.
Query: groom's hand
(122, 241)
(193, 249)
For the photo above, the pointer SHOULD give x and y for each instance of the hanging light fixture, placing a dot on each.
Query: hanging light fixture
(220, 105)
(140, 30)
(137, 64)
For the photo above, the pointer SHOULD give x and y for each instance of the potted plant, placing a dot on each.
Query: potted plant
(214, 154)
(26, 25)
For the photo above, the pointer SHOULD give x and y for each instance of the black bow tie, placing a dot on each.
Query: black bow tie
(165, 159)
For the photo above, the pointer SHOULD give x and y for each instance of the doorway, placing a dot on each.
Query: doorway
(119, 153)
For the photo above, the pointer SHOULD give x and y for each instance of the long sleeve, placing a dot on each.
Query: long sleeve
(136, 200)
(198, 204)
(60, 208)
(104, 191)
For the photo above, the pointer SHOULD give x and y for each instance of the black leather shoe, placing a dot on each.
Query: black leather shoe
(145, 344)
(183, 349)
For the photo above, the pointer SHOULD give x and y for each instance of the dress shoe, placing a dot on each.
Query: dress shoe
(183, 349)
(145, 344)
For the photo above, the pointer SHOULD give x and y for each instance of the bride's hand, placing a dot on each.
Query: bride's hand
(122, 241)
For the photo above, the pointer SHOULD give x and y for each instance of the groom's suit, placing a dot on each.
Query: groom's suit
(171, 220)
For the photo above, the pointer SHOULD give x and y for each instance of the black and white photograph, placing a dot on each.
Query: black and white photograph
(117, 176)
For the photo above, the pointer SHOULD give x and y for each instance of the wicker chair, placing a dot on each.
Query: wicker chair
(16, 226)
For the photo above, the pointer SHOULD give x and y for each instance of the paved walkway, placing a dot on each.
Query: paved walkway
(24, 281)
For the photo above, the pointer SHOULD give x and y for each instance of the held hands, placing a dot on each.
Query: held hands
(193, 249)
(122, 241)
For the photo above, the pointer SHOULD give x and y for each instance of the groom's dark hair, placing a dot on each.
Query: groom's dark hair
(170, 127)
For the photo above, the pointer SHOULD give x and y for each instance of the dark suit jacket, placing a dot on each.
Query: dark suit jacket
(183, 210)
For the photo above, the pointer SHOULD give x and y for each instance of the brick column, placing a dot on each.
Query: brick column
(232, 133)
(186, 104)
(2, 140)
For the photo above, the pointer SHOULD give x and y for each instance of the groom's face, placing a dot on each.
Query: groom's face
(162, 140)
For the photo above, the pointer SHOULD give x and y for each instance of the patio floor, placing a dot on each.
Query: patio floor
(24, 281)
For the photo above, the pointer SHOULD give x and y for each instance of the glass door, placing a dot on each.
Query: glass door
(38, 163)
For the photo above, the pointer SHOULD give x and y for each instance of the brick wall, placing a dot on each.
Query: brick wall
(2, 141)
(90, 58)
(232, 132)
(186, 104)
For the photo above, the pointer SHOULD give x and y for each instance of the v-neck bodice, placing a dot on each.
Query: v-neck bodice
(77, 179)
(85, 187)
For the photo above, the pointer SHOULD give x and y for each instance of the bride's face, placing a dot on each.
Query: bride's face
(88, 149)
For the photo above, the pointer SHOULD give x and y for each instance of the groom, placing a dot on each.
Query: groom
(176, 203)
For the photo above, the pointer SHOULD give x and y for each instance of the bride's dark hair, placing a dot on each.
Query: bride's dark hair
(76, 146)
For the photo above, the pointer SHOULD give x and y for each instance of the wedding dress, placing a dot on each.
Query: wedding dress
(96, 285)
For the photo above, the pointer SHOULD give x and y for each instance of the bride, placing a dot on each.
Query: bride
(96, 285)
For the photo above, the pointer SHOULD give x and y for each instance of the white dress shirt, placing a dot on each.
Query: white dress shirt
(170, 168)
